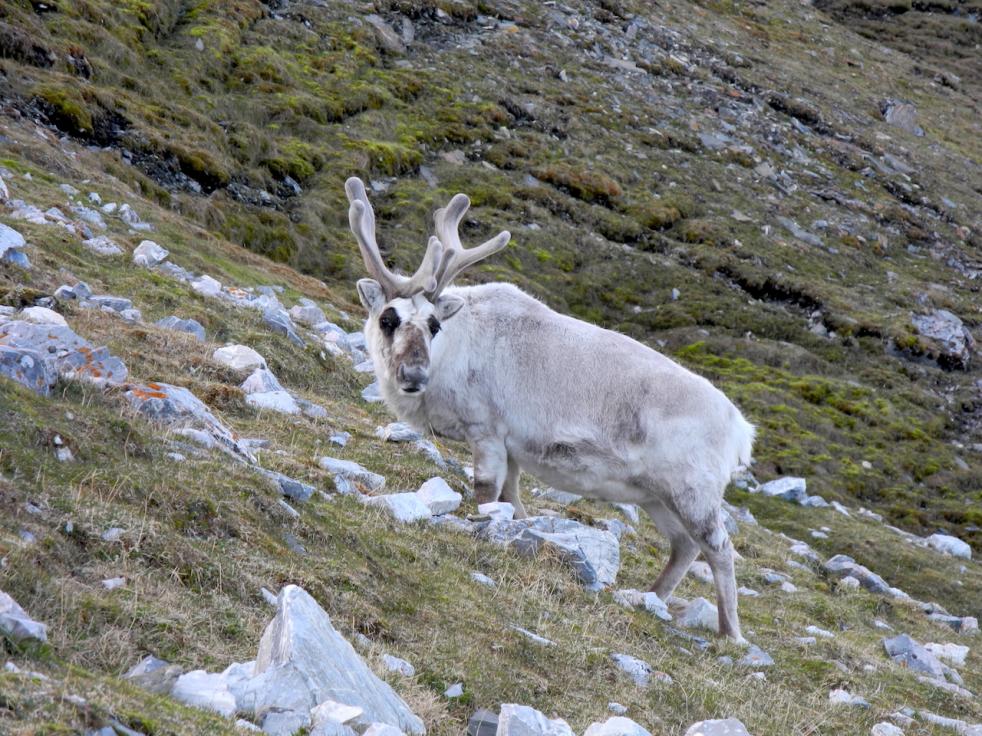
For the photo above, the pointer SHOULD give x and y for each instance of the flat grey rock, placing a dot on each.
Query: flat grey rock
(403, 507)
(183, 325)
(906, 652)
(594, 554)
(842, 566)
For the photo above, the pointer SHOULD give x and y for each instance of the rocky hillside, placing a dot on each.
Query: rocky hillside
(202, 502)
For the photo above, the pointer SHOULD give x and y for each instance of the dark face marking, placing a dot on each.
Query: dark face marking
(389, 321)
(434, 324)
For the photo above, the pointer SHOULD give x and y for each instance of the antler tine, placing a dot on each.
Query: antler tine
(361, 217)
(455, 257)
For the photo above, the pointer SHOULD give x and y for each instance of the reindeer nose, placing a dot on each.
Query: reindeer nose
(412, 378)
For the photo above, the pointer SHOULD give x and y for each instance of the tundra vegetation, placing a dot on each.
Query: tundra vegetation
(713, 178)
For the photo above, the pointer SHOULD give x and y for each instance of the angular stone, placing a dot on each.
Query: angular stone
(883, 728)
(718, 727)
(239, 358)
(279, 401)
(154, 675)
(103, 246)
(307, 314)
(954, 654)
(637, 669)
(64, 353)
(279, 322)
(946, 544)
(648, 601)
(756, 657)
(261, 380)
(908, 653)
(400, 666)
(482, 579)
(10, 239)
(842, 565)
(388, 39)
(788, 488)
(616, 726)
(372, 393)
(353, 472)
(149, 254)
(593, 554)
(399, 432)
(205, 690)
(699, 614)
(17, 625)
(901, 115)
(107, 301)
(28, 368)
(533, 637)
(950, 334)
(439, 497)
(183, 325)
(180, 410)
(206, 286)
(303, 661)
(498, 511)
(839, 696)
(961, 624)
(403, 507)
(289, 487)
(521, 720)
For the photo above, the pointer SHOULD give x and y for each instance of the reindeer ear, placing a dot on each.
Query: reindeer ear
(447, 305)
(371, 295)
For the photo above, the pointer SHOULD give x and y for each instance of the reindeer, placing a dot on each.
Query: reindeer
(580, 407)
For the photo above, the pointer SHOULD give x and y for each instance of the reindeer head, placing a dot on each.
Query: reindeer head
(405, 312)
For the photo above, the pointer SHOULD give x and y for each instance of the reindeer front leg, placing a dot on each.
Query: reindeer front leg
(490, 468)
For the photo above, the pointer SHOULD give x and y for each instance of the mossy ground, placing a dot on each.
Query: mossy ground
(613, 201)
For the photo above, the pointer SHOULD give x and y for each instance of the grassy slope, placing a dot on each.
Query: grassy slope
(202, 538)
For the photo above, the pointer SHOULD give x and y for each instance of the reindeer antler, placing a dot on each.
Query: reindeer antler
(455, 257)
(361, 216)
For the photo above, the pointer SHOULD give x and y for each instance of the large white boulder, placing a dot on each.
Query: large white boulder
(205, 690)
(42, 316)
(439, 496)
(278, 401)
(303, 661)
(718, 727)
(239, 358)
(946, 544)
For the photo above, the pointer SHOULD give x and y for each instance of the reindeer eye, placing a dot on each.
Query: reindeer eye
(389, 321)
(434, 324)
